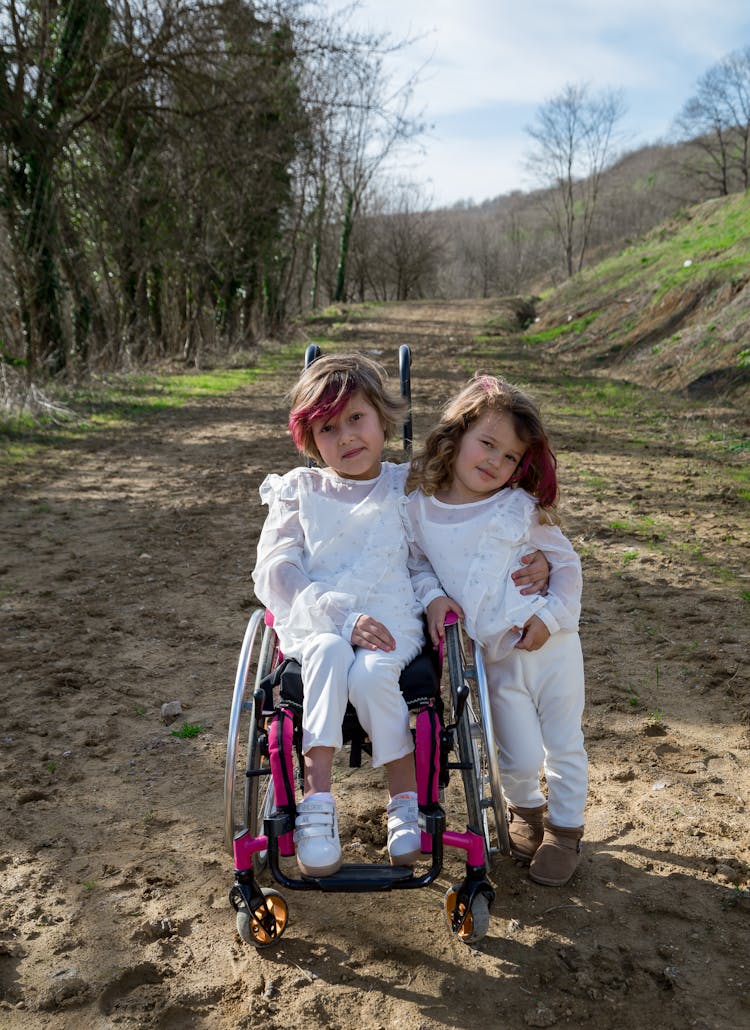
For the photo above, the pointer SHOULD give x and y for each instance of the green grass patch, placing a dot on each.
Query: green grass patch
(733, 443)
(187, 731)
(593, 479)
(332, 311)
(576, 325)
(740, 480)
(690, 549)
(123, 399)
(601, 398)
(644, 525)
(345, 313)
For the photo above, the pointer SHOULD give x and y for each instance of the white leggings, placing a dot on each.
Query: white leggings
(334, 672)
(537, 706)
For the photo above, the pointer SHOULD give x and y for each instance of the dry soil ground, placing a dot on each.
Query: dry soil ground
(125, 562)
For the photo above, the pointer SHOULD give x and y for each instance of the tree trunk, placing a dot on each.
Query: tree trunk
(346, 232)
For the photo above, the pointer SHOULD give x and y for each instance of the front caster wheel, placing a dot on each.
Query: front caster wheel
(265, 925)
(472, 924)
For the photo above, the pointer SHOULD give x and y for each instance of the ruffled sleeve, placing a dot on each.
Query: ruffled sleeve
(514, 515)
(299, 605)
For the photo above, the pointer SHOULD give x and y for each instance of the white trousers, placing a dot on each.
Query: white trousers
(537, 706)
(334, 672)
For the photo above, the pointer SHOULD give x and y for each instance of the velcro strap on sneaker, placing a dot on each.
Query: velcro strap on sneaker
(317, 820)
(405, 815)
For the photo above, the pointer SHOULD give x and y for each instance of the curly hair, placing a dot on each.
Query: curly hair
(324, 389)
(432, 468)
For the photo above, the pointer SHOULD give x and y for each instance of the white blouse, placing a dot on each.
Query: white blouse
(473, 549)
(334, 548)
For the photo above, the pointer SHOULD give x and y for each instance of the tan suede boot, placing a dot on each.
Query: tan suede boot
(558, 855)
(526, 830)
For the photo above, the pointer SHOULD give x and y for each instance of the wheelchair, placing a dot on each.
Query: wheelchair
(263, 775)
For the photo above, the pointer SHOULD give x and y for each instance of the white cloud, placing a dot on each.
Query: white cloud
(486, 51)
(501, 59)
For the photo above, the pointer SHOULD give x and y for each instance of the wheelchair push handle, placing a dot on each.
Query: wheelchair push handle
(312, 353)
(404, 374)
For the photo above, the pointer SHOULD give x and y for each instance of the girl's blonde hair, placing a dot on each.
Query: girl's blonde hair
(324, 389)
(432, 468)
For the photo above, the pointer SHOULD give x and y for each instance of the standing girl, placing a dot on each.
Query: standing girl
(486, 487)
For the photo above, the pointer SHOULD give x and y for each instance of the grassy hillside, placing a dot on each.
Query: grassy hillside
(673, 310)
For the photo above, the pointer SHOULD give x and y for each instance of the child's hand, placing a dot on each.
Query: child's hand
(534, 576)
(535, 634)
(373, 635)
(436, 612)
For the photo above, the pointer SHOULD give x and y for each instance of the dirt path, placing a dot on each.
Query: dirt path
(125, 584)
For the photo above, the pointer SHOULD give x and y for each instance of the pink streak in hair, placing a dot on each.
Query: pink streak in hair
(546, 491)
(541, 459)
(301, 419)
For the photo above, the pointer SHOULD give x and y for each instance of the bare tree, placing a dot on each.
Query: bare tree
(574, 134)
(716, 122)
(364, 119)
(356, 123)
(481, 252)
(374, 123)
(396, 246)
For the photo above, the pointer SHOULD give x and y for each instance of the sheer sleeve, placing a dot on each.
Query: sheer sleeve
(563, 608)
(425, 583)
(424, 580)
(281, 581)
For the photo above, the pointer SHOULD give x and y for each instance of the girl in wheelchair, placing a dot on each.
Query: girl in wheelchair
(486, 485)
(332, 568)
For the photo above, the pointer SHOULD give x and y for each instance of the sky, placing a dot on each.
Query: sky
(487, 66)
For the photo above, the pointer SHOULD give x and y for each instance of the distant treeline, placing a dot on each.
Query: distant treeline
(179, 176)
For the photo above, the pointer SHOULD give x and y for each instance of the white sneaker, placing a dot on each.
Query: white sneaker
(316, 836)
(404, 835)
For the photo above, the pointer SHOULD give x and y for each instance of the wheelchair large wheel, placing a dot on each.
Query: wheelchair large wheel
(475, 741)
(248, 799)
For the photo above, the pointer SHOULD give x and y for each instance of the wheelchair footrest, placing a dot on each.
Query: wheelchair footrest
(357, 877)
